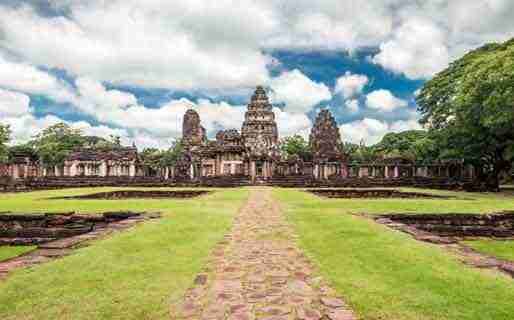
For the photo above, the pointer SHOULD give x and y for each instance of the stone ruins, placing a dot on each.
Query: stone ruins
(251, 156)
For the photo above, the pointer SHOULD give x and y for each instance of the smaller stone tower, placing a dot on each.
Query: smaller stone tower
(325, 139)
(193, 134)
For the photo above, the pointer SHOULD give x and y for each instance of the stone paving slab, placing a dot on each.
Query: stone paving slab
(258, 272)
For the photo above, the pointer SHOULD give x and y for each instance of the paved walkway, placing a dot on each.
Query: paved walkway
(257, 272)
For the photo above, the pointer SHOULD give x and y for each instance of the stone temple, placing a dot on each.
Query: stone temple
(233, 158)
(253, 152)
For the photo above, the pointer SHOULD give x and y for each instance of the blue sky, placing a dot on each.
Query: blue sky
(132, 68)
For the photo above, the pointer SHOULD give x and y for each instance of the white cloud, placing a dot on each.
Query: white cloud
(198, 44)
(384, 100)
(297, 91)
(29, 79)
(218, 48)
(350, 84)
(330, 24)
(26, 126)
(292, 123)
(371, 130)
(13, 104)
(418, 49)
(151, 44)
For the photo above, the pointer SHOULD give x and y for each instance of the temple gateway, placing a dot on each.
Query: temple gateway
(251, 156)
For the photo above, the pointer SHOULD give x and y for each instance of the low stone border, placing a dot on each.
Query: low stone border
(47, 251)
(373, 193)
(467, 255)
(139, 194)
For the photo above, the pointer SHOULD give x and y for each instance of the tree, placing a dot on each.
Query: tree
(55, 143)
(469, 108)
(173, 154)
(295, 146)
(115, 140)
(5, 136)
(151, 158)
(155, 159)
(414, 144)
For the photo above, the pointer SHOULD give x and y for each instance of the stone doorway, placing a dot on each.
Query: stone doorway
(259, 168)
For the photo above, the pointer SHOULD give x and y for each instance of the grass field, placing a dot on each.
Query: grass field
(461, 202)
(8, 252)
(132, 275)
(386, 274)
(500, 249)
(136, 274)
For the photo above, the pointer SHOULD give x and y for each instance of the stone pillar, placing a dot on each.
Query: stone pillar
(217, 164)
(15, 171)
(191, 171)
(344, 171)
(396, 172)
(103, 169)
(253, 172)
(386, 172)
(132, 170)
(73, 169)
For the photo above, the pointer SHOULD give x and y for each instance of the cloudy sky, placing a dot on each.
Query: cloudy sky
(132, 68)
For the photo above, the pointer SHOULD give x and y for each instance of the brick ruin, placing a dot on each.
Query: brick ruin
(373, 194)
(234, 158)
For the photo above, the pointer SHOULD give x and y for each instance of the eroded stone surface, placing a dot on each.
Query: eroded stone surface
(257, 272)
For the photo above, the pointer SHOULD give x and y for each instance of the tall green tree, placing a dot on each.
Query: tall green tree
(5, 136)
(155, 159)
(172, 155)
(414, 144)
(469, 107)
(55, 143)
(295, 146)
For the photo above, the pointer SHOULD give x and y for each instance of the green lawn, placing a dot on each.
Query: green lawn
(132, 275)
(41, 201)
(386, 274)
(496, 248)
(8, 252)
(462, 202)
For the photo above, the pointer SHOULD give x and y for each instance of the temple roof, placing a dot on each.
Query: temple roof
(259, 101)
(121, 154)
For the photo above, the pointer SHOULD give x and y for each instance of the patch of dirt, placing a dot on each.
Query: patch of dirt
(137, 194)
(373, 193)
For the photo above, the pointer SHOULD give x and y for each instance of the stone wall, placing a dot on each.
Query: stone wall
(22, 229)
(459, 225)
(290, 181)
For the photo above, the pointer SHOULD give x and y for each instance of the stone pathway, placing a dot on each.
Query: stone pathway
(258, 272)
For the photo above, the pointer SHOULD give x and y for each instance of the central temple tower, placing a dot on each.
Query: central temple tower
(259, 125)
(260, 135)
